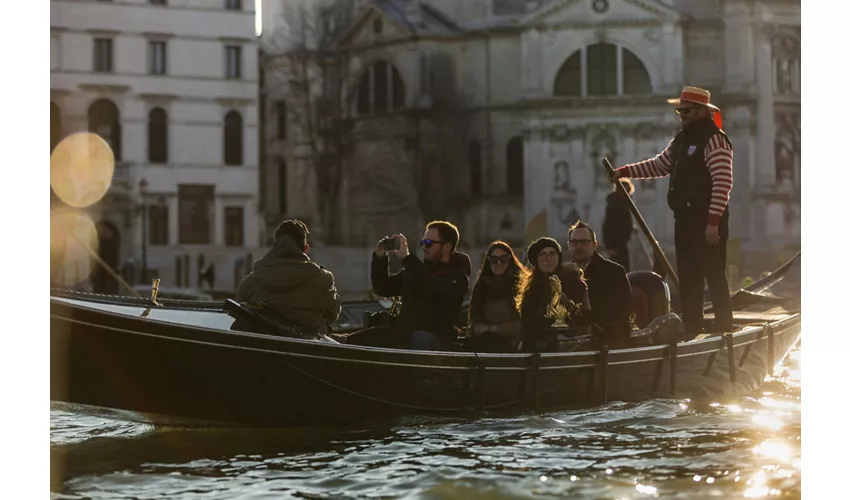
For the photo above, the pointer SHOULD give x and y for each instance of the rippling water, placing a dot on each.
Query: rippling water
(749, 447)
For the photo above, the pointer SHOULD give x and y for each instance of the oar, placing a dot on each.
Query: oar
(659, 254)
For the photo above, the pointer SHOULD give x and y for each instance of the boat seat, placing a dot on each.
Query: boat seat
(266, 318)
(650, 297)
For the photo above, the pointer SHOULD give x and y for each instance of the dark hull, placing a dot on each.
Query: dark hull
(157, 368)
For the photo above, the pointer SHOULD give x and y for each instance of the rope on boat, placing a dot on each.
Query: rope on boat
(465, 409)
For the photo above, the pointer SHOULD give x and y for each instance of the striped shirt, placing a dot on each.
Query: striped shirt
(718, 158)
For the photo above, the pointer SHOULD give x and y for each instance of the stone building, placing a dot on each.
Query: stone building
(172, 87)
(497, 113)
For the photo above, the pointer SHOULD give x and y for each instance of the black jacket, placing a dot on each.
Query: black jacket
(689, 192)
(617, 226)
(609, 292)
(431, 293)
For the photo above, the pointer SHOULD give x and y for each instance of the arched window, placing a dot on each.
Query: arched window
(380, 90)
(515, 166)
(55, 125)
(475, 168)
(104, 121)
(233, 138)
(568, 81)
(635, 77)
(157, 136)
(602, 69)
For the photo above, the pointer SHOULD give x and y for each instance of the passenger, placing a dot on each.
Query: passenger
(286, 279)
(494, 319)
(608, 286)
(617, 227)
(548, 293)
(431, 291)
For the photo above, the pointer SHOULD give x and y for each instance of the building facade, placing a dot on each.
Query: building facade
(171, 85)
(547, 89)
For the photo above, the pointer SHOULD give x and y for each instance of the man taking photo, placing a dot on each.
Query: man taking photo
(431, 289)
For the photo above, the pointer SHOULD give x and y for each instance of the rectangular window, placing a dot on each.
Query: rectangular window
(234, 226)
(281, 119)
(158, 224)
(103, 55)
(233, 62)
(233, 4)
(196, 205)
(54, 52)
(156, 58)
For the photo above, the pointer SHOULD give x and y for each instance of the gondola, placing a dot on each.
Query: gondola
(189, 363)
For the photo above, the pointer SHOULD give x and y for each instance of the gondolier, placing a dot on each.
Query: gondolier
(699, 163)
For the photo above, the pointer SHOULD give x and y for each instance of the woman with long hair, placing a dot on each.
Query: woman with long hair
(552, 291)
(493, 315)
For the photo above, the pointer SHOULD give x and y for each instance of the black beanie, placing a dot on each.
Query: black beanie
(541, 243)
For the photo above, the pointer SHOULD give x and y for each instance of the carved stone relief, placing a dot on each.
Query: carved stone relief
(563, 179)
(787, 150)
(786, 51)
(603, 146)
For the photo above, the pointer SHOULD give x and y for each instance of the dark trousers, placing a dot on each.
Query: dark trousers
(621, 255)
(698, 263)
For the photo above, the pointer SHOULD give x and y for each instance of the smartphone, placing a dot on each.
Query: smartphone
(390, 244)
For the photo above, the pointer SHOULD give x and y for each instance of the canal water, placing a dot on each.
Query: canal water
(748, 447)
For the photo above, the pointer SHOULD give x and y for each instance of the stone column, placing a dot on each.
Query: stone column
(218, 221)
(672, 52)
(766, 127)
(173, 204)
(537, 176)
(738, 124)
(532, 55)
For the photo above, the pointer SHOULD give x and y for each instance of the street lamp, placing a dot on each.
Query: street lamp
(143, 190)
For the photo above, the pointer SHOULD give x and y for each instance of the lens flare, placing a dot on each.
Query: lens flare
(81, 169)
(71, 263)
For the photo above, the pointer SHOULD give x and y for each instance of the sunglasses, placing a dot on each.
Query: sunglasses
(685, 111)
(428, 243)
(496, 259)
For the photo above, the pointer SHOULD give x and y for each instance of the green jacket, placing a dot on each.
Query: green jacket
(301, 290)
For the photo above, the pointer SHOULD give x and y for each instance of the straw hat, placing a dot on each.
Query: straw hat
(695, 95)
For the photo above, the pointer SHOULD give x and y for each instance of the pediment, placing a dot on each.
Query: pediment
(589, 12)
(364, 31)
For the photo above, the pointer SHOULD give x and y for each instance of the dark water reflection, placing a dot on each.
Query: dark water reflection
(749, 447)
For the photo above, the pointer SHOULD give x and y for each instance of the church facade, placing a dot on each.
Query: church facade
(497, 114)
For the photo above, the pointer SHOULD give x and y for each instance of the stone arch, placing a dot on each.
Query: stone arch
(566, 48)
(371, 83)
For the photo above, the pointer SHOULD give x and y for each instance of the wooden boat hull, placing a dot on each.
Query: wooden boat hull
(148, 366)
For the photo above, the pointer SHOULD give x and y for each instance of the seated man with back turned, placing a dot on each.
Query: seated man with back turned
(607, 285)
(290, 282)
(431, 291)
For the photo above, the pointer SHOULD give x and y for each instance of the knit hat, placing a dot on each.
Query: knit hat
(539, 244)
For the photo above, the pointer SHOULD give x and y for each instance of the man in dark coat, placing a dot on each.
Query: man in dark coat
(431, 290)
(289, 281)
(699, 163)
(607, 285)
(617, 226)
